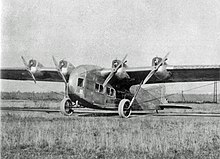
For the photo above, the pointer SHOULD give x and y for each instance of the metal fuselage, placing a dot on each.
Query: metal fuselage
(85, 86)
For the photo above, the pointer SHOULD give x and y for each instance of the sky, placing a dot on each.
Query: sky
(98, 31)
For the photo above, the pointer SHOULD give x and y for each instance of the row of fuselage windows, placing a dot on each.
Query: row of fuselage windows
(98, 88)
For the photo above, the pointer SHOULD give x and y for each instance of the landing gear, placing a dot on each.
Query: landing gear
(124, 109)
(66, 107)
(66, 103)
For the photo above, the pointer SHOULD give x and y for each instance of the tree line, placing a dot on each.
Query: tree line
(31, 95)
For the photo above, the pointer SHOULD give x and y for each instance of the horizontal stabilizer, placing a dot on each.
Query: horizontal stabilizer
(172, 106)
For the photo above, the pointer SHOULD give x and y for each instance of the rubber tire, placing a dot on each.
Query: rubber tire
(121, 106)
(63, 105)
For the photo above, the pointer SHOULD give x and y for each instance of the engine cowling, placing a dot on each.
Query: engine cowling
(34, 65)
(162, 72)
(121, 72)
(116, 62)
(65, 67)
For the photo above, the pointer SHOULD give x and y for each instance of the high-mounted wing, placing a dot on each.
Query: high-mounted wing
(43, 74)
(176, 74)
(169, 74)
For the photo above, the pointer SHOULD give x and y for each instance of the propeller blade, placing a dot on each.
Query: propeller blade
(55, 63)
(122, 62)
(108, 78)
(24, 61)
(31, 74)
(114, 71)
(28, 69)
(149, 76)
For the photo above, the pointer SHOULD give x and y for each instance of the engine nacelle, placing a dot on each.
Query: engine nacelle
(116, 62)
(34, 65)
(65, 67)
(121, 73)
(162, 72)
(157, 60)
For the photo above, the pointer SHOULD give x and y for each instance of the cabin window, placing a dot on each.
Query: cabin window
(80, 82)
(99, 88)
(110, 91)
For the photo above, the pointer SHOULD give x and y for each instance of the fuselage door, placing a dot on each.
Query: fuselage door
(80, 85)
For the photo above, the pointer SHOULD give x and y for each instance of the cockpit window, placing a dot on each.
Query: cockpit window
(80, 82)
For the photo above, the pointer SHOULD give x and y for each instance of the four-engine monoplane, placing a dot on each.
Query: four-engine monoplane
(109, 88)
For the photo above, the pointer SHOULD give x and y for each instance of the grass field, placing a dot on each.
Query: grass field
(42, 135)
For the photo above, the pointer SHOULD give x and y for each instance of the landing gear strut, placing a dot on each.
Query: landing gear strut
(66, 103)
(124, 109)
(66, 107)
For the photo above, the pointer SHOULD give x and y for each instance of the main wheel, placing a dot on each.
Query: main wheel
(124, 110)
(66, 107)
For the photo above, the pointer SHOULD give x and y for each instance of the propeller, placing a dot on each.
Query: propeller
(152, 72)
(58, 69)
(28, 69)
(114, 71)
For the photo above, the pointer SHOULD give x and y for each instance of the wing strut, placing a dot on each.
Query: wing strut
(28, 69)
(152, 72)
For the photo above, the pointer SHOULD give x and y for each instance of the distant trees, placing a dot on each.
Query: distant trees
(31, 95)
(58, 96)
(191, 98)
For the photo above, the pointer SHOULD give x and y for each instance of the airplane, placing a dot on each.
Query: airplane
(109, 88)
